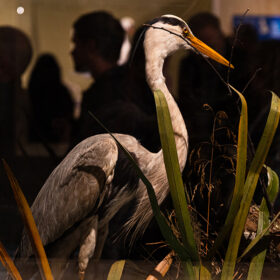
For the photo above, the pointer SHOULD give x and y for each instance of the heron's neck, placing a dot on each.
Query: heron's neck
(156, 81)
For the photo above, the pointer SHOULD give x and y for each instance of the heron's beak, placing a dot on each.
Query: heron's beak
(206, 50)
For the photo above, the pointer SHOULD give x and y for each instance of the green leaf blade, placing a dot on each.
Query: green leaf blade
(263, 222)
(240, 174)
(257, 262)
(116, 270)
(174, 176)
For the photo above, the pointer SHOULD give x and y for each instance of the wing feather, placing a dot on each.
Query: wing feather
(73, 188)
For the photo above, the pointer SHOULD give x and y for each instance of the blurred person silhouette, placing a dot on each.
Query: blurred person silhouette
(51, 103)
(204, 100)
(98, 37)
(245, 44)
(202, 85)
(259, 98)
(247, 38)
(15, 55)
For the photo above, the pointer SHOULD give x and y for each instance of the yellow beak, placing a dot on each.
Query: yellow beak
(204, 49)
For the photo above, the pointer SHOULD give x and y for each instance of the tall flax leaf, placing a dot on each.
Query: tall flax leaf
(30, 226)
(263, 221)
(240, 173)
(8, 263)
(174, 175)
(259, 237)
(257, 262)
(116, 270)
(250, 186)
(204, 274)
(161, 220)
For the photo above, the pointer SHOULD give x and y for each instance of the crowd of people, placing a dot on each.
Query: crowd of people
(120, 97)
(120, 92)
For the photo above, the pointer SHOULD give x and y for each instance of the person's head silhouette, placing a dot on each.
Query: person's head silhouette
(98, 38)
(15, 53)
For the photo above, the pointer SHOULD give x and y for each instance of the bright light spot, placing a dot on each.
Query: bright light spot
(20, 10)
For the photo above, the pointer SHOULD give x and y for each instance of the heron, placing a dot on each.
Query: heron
(95, 181)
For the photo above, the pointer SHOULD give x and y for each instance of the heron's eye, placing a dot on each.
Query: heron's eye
(186, 32)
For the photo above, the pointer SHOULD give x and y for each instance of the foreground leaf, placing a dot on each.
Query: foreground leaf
(116, 270)
(257, 262)
(240, 174)
(176, 186)
(259, 237)
(205, 274)
(250, 186)
(30, 226)
(174, 175)
(8, 263)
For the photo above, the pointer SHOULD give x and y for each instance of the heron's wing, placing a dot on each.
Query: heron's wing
(73, 189)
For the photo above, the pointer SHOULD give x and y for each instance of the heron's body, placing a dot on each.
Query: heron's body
(96, 185)
(94, 181)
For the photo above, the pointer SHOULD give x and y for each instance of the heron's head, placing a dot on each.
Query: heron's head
(169, 33)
